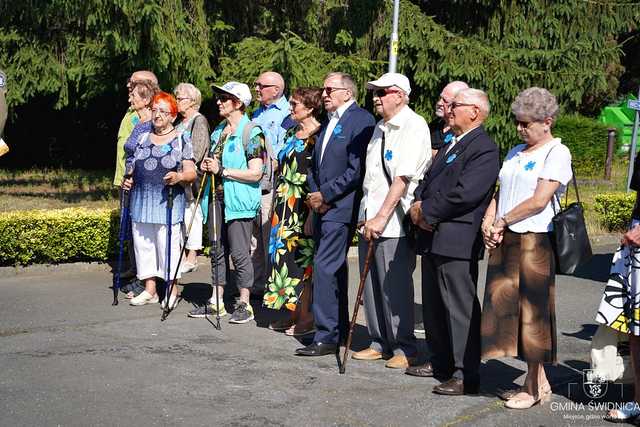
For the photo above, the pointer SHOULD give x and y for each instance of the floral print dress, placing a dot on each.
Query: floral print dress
(290, 250)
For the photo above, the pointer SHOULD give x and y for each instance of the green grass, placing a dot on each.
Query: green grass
(56, 189)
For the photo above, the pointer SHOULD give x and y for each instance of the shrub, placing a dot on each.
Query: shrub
(614, 210)
(587, 140)
(55, 236)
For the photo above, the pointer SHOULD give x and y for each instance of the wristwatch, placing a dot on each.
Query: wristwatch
(223, 172)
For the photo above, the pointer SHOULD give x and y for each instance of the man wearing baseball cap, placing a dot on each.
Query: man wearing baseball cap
(237, 150)
(397, 156)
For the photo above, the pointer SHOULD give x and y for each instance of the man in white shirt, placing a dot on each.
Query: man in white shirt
(397, 156)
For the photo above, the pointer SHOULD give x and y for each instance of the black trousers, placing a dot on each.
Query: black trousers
(451, 313)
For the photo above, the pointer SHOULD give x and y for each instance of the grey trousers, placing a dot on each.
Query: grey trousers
(388, 295)
(236, 236)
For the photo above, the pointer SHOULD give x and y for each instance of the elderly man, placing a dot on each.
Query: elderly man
(129, 121)
(441, 135)
(397, 157)
(274, 108)
(441, 132)
(334, 179)
(452, 199)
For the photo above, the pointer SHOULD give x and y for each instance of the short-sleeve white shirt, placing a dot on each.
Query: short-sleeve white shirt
(407, 152)
(519, 177)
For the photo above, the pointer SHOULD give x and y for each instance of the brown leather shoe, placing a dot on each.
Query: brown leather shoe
(455, 387)
(425, 370)
(367, 354)
(400, 361)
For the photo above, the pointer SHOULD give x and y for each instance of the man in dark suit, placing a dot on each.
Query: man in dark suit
(451, 201)
(334, 181)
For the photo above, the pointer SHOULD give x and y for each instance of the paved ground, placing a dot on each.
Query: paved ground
(69, 358)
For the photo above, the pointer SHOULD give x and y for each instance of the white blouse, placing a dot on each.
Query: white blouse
(519, 177)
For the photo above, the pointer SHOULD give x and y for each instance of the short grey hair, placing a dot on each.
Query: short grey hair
(535, 103)
(191, 92)
(478, 98)
(347, 81)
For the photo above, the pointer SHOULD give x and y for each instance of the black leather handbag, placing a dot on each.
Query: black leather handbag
(569, 236)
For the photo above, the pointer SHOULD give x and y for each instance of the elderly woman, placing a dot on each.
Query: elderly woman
(162, 159)
(290, 246)
(518, 316)
(195, 127)
(236, 159)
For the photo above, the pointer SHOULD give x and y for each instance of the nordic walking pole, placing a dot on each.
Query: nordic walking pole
(167, 309)
(168, 287)
(214, 259)
(124, 214)
(363, 277)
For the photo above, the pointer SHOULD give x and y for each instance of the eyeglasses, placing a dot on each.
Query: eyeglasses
(181, 98)
(260, 86)
(383, 92)
(445, 100)
(455, 105)
(329, 89)
(164, 113)
(294, 104)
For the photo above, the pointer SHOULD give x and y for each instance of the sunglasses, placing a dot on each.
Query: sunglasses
(294, 104)
(329, 90)
(224, 98)
(380, 93)
(260, 86)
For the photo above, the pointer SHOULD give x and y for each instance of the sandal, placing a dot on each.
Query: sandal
(628, 412)
(508, 394)
(298, 332)
(281, 325)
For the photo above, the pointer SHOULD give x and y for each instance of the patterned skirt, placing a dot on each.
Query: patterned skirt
(518, 314)
(620, 305)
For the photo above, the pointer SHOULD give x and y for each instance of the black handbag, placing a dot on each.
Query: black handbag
(569, 236)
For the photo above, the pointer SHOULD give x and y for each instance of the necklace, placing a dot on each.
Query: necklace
(162, 134)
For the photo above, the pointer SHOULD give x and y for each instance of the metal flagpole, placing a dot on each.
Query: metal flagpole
(393, 47)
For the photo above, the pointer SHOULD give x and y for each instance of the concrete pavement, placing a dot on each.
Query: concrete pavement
(69, 358)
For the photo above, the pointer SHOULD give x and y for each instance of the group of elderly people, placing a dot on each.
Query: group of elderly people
(405, 187)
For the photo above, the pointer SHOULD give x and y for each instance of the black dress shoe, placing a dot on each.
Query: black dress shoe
(456, 387)
(316, 349)
(425, 370)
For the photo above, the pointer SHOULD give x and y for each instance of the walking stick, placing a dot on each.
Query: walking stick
(168, 287)
(363, 277)
(124, 215)
(214, 259)
(167, 309)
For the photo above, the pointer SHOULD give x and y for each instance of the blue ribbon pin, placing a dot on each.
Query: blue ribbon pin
(529, 166)
(448, 138)
(388, 155)
(451, 158)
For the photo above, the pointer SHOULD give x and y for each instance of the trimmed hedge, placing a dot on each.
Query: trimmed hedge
(587, 140)
(73, 234)
(614, 210)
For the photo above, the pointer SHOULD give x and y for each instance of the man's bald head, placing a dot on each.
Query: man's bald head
(446, 96)
(269, 87)
(140, 75)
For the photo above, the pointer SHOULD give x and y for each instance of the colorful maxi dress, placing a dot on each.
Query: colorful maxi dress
(290, 250)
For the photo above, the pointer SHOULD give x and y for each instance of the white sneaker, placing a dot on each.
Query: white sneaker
(173, 302)
(187, 267)
(144, 298)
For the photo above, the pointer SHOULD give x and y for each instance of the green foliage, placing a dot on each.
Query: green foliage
(587, 141)
(614, 210)
(55, 236)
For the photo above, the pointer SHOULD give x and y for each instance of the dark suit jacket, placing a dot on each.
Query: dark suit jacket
(339, 176)
(455, 193)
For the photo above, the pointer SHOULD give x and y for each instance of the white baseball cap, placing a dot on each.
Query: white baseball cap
(391, 79)
(239, 90)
